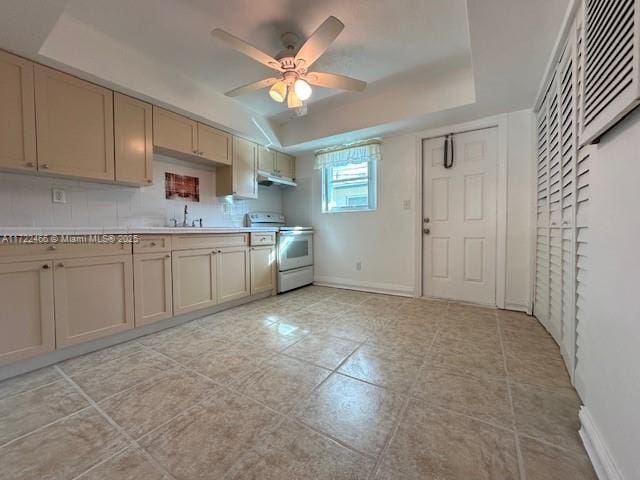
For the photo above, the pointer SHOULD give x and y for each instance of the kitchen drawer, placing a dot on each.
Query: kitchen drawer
(189, 242)
(263, 238)
(153, 244)
(11, 252)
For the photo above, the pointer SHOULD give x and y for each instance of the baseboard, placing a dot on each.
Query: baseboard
(373, 287)
(518, 307)
(603, 463)
(25, 366)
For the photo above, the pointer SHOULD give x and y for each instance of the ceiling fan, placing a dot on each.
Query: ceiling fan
(294, 80)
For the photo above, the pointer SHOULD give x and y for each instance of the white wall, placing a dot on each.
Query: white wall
(26, 201)
(609, 343)
(520, 170)
(384, 240)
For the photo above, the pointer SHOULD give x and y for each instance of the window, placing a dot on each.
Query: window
(349, 178)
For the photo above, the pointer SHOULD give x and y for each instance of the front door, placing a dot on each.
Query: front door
(459, 218)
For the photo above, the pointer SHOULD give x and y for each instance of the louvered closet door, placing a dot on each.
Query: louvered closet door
(554, 321)
(541, 302)
(568, 147)
(583, 197)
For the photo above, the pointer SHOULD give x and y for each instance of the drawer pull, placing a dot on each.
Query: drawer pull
(167, 256)
(52, 247)
(153, 244)
(45, 266)
(61, 264)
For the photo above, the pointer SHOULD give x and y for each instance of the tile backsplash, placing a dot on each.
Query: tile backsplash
(26, 201)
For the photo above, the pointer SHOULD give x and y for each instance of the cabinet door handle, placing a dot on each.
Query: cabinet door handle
(214, 252)
(29, 164)
(153, 244)
(195, 151)
(61, 264)
(167, 256)
(45, 166)
(45, 266)
(52, 247)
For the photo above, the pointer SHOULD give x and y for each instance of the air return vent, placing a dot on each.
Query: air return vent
(611, 56)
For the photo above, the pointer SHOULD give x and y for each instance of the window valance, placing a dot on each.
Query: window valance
(355, 153)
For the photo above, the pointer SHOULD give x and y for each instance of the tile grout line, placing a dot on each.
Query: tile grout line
(12, 395)
(58, 420)
(134, 443)
(520, 459)
(102, 462)
(407, 400)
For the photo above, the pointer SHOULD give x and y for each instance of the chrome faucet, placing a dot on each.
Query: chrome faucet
(184, 217)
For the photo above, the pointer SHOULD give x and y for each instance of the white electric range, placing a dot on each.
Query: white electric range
(294, 247)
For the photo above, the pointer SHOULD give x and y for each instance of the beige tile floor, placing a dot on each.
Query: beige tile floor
(317, 383)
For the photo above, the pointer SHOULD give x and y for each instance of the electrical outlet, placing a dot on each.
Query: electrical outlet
(406, 204)
(58, 195)
(358, 266)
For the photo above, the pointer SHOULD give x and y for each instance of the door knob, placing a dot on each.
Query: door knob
(426, 231)
(427, 220)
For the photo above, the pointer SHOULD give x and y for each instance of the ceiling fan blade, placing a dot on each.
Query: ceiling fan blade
(331, 80)
(252, 87)
(246, 48)
(319, 41)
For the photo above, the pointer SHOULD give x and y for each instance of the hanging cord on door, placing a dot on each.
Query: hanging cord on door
(448, 148)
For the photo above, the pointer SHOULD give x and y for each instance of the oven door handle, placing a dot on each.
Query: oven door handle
(289, 233)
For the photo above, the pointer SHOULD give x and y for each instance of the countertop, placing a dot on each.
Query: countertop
(22, 231)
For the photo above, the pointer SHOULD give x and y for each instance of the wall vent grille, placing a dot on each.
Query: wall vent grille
(610, 74)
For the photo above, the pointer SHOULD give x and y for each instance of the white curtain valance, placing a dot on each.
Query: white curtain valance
(361, 152)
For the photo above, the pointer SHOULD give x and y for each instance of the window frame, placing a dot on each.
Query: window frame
(372, 190)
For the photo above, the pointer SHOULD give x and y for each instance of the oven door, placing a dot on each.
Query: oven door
(295, 250)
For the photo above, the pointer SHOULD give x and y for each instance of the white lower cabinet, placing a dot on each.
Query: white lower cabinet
(58, 296)
(93, 298)
(26, 319)
(194, 280)
(233, 273)
(153, 291)
(203, 278)
(263, 269)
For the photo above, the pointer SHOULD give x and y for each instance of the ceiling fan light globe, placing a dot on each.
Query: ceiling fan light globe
(303, 89)
(278, 91)
(292, 99)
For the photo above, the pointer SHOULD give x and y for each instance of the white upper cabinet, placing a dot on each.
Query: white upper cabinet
(285, 165)
(74, 121)
(17, 114)
(133, 140)
(174, 133)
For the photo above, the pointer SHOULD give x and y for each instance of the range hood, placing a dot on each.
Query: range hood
(268, 179)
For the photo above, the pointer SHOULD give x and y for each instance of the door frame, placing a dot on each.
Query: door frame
(501, 123)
